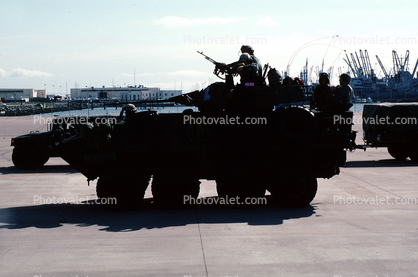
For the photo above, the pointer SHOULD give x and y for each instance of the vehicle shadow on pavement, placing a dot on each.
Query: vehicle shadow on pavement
(380, 163)
(148, 216)
(44, 169)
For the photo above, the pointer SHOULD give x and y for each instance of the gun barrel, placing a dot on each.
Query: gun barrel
(207, 58)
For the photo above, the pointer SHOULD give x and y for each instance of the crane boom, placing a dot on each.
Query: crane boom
(406, 62)
(415, 68)
(382, 67)
(363, 61)
(350, 65)
(355, 65)
(396, 62)
(369, 65)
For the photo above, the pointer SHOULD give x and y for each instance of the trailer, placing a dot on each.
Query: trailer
(392, 125)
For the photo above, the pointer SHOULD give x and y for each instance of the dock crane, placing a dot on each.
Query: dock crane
(364, 65)
(368, 64)
(397, 63)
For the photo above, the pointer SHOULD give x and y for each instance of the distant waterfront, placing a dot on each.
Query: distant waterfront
(357, 107)
(113, 111)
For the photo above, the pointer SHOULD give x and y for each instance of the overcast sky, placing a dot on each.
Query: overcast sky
(60, 44)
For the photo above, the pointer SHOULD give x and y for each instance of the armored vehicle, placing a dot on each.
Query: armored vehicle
(238, 137)
(392, 125)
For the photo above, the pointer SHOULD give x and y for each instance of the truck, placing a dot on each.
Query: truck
(392, 125)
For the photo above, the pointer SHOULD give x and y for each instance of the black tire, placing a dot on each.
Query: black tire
(399, 152)
(26, 157)
(175, 186)
(294, 191)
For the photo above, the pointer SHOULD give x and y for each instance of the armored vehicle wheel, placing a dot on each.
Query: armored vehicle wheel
(399, 152)
(26, 157)
(294, 191)
(128, 190)
(174, 186)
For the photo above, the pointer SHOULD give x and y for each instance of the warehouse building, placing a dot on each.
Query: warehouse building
(130, 93)
(21, 94)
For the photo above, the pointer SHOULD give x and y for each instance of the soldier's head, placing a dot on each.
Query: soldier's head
(244, 58)
(323, 78)
(247, 49)
(345, 79)
(129, 109)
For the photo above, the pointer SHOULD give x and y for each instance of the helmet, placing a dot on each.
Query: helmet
(345, 77)
(323, 78)
(245, 57)
(130, 108)
(247, 49)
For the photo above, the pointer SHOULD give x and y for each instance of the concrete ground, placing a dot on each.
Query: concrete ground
(362, 222)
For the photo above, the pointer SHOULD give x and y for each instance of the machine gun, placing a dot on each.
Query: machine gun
(221, 68)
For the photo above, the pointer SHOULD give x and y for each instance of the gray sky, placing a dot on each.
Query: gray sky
(59, 44)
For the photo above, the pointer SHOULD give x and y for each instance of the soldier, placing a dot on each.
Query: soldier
(129, 110)
(246, 67)
(322, 92)
(248, 70)
(343, 92)
(249, 50)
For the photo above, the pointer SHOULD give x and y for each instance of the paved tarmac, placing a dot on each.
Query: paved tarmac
(361, 223)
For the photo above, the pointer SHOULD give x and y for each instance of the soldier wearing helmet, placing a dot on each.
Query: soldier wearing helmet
(343, 92)
(249, 50)
(129, 110)
(248, 70)
(247, 67)
(322, 92)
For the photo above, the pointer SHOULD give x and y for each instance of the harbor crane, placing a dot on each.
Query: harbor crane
(360, 65)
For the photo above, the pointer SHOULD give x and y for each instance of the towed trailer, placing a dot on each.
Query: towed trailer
(391, 125)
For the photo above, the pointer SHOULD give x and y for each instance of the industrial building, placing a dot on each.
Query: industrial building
(130, 93)
(21, 94)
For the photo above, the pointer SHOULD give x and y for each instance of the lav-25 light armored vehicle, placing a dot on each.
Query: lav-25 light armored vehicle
(237, 138)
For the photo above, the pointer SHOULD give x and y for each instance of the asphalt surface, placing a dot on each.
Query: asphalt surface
(362, 222)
